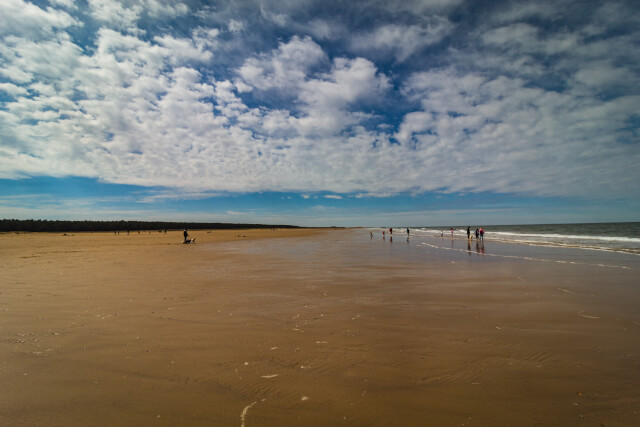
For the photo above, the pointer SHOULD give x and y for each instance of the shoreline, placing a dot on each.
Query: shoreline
(313, 328)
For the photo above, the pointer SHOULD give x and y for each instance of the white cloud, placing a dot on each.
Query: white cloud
(605, 77)
(525, 38)
(20, 17)
(284, 68)
(54, 59)
(196, 49)
(503, 134)
(401, 41)
(323, 98)
(124, 15)
(414, 123)
(169, 8)
(321, 29)
(418, 7)
(348, 81)
(279, 19)
(328, 100)
(116, 14)
(68, 4)
(235, 26)
(12, 89)
(518, 11)
(521, 34)
(515, 108)
(373, 195)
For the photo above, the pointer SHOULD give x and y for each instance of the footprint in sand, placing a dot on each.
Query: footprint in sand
(581, 313)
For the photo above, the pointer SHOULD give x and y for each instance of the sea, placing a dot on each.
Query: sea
(610, 236)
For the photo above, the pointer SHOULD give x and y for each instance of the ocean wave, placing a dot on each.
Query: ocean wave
(612, 243)
(569, 236)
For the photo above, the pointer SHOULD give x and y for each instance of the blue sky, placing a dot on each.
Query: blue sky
(414, 112)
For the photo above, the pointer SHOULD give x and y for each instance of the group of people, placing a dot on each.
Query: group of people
(390, 233)
(479, 233)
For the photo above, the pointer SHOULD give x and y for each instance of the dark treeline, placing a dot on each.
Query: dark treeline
(43, 225)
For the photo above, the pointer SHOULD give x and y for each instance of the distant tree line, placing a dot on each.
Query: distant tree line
(44, 225)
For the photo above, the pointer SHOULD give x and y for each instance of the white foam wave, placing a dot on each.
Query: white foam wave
(629, 245)
(569, 237)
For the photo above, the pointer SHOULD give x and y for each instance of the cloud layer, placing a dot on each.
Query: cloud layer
(376, 98)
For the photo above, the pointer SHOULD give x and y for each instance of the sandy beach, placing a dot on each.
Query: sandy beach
(313, 328)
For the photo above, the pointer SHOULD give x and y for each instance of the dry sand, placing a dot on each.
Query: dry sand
(308, 327)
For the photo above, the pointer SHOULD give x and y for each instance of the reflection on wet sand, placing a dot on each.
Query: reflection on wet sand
(331, 328)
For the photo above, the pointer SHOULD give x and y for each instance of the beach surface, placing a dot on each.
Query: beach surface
(314, 328)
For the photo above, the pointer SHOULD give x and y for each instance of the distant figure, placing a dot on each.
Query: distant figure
(451, 231)
(391, 231)
(371, 234)
(468, 233)
(477, 233)
(407, 231)
(441, 233)
(186, 237)
(482, 234)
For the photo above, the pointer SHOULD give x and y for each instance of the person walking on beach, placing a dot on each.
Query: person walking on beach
(468, 232)
(407, 231)
(391, 231)
(451, 231)
(185, 234)
(481, 233)
(477, 233)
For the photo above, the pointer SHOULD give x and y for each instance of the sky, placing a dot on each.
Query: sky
(320, 113)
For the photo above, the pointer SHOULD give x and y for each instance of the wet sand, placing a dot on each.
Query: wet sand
(313, 327)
